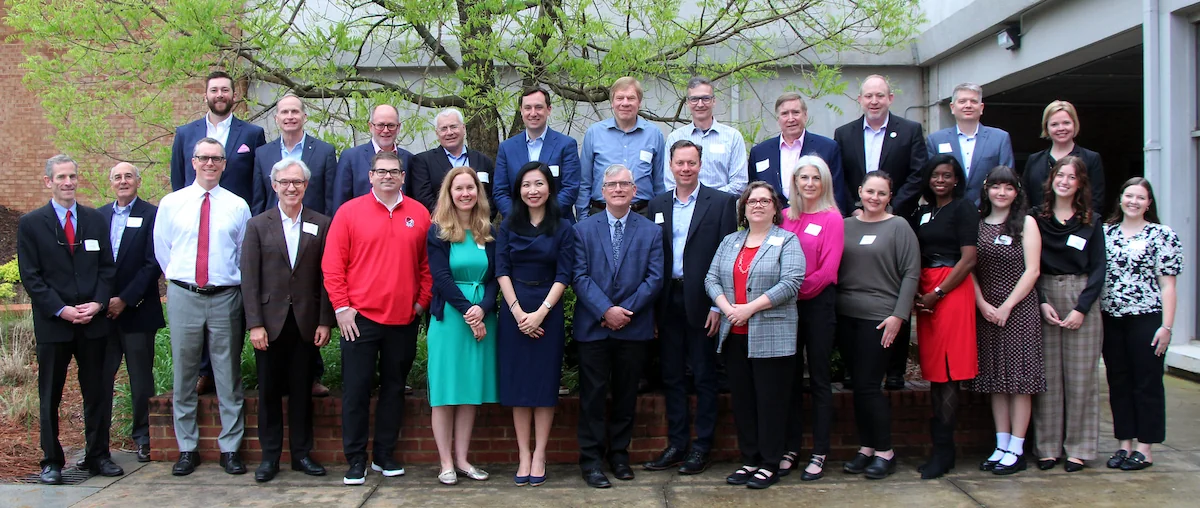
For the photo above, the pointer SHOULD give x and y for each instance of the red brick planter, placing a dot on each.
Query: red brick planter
(494, 441)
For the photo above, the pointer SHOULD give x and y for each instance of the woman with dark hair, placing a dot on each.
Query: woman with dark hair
(1138, 303)
(1010, 334)
(878, 277)
(1060, 124)
(753, 280)
(534, 261)
(1067, 415)
(948, 229)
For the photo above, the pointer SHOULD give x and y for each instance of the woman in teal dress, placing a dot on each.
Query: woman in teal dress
(462, 332)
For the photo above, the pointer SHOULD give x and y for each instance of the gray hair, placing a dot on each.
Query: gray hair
(289, 162)
(450, 112)
(292, 94)
(614, 169)
(697, 81)
(137, 173)
(59, 159)
(968, 87)
(208, 141)
(825, 200)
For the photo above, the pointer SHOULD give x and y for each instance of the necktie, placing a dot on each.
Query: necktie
(618, 236)
(70, 230)
(202, 245)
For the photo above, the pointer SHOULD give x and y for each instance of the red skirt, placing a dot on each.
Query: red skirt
(946, 337)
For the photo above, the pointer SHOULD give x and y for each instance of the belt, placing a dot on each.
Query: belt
(202, 290)
(637, 206)
(678, 281)
(534, 282)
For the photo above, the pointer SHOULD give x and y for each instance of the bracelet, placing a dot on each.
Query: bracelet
(514, 304)
(1168, 329)
(547, 305)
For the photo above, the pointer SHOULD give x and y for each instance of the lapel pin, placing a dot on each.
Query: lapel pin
(892, 135)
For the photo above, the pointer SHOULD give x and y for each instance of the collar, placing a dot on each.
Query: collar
(58, 209)
(378, 148)
(702, 132)
(613, 220)
(611, 123)
(286, 219)
(124, 209)
(459, 156)
(867, 126)
(224, 123)
(542, 136)
(303, 138)
(390, 208)
(799, 141)
(968, 136)
(691, 197)
(215, 190)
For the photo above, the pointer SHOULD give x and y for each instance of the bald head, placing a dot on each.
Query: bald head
(385, 124)
(125, 179)
(875, 98)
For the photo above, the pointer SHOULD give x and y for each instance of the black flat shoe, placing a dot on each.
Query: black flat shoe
(308, 466)
(232, 463)
(762, 479)
(858, 465)
(739, 477)
(988, 465)
(266, 471)
(697, 462)
(669, 458)
(815, 460)
(105, 467)
(1135, 462)
(791, 458)
(51, 475)
(1047, 464)
(595, 479)
(880, 468)
(1002, 469)
(1117, 459)
(1073, 467)
(622, 471)
(186, 464)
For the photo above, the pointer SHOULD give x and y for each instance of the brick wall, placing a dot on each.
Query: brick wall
(26, 134)
(494, 442)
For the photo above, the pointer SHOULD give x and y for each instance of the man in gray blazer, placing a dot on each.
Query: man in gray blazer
(977, 147)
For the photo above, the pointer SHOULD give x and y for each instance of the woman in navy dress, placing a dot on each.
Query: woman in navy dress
(534, 259)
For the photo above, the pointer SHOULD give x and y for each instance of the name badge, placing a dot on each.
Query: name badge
(925, 218)
(717, 147)
(1077, 242)
(91, 245)
(309, 228)
(945, 148)
(481, 246)
(554, 171)
(762, 165)
(775, 240)
(646, 155)
(812, 229)
(1137, 245)
(658, 218)
(133, 222)
(483, 177)
(867, 240)
(1003, 240)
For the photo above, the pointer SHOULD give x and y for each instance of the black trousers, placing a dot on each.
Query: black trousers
(285, 368)
(1135, 378)
(897, 363)
(138, 350)
(815, 337)
(872, 410)
(682, 345)
(390, 349)
(317, 369)
(605, 363)
(758, 385)
(53, 359)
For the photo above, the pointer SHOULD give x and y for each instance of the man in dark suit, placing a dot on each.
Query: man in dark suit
(239, 138)
(694, 220)
(352, 178)
(774, 160)
(429, 168)
(977, 147)
(538, 143)
(294, 142)
(67, 269)
(135, 307)
(618, 274)
(879, 140)
(288, 314)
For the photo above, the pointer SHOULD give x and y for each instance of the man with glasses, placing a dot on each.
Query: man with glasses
(429, 168)
(198, 234)
(377, 276)
(625, 139)
(724, 164)
(352, 179)
(538, 143)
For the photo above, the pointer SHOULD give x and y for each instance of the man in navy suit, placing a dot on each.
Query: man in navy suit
(774, 160)
(618, 274)
(352, 178)
(977, 147)
(429, 168)
(294, 142)
(239, 138)
(538, 143)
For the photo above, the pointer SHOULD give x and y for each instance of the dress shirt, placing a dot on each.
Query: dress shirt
(681, 221)
(966, 144)
(534, 146)
(291, 233)
(378, 148)
(789, 156)
(460, 161)
(116, 229)
(873, 141)
(612, 228)
(641, 150)
(62, 215)
(176, 229)
(722, 160)
(220, 131)
(297, 152)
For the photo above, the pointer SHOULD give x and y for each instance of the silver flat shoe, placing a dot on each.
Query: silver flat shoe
(474, 473)
(448, 477)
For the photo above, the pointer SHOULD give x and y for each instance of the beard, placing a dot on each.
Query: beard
(219, 109)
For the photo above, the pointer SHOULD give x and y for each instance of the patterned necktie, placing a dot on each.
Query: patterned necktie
(202, 245)
(69, 229)
(618, 236)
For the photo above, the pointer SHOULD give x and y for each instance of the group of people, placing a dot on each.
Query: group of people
(682, 246)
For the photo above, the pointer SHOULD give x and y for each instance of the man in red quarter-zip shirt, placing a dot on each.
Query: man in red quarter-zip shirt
(378, 281)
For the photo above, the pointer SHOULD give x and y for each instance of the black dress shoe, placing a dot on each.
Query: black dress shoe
(1047, 464)
(143, 452)
(988, 465)
(669, 458)
(622, 471)
(232, 463)
(696, 462)
(1073, 467)
(51, 475)
(858, 465)
(815, 460)
(1135, 462)
(880, 468)
(1117, 459)
(894, 383)
(186, 464)
(1002, 469)
(739, 477)
(308, 466)
(266, 471)
(762, 479)
(104, 466)
(595, 479)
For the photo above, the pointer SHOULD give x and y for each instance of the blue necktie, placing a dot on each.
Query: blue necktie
(618, 236)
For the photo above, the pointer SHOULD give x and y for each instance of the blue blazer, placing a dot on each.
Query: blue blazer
(351, 179)
(239, 165)
(321, 159)
(445, 290)
(558, 149)
(993, 148)
(136, 280)
(764, 164)
(633, 284)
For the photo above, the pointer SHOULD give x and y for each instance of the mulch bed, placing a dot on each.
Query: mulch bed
(20, 453)
(8, 233)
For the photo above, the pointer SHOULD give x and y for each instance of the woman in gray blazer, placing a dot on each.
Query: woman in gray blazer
(753, 280)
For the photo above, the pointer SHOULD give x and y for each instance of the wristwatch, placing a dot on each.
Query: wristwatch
(939, 292)
(547, 305)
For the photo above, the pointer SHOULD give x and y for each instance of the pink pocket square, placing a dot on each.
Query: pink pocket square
(243, 149)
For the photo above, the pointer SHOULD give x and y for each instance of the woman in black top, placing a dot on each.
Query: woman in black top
(1067, 414)
(947, 227)
(1060, 124)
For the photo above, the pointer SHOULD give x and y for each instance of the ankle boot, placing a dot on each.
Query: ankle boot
(933, 456)
(943, 451)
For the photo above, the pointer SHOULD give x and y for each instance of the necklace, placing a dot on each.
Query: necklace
(739, 261)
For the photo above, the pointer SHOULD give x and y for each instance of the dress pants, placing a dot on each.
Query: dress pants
(390, 349)
(682, 345)
(318, 366)
(897, 361)
(759, 386)
(285, 369)
(53, 359)
(815, 336)
(1135, 378)
(872, 410)
(604, 363)
(138, 350)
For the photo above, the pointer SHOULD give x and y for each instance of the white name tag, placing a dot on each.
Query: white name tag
(309, 228)
(775, 240)
(717, 147)
(658, 218)
(484, 178)
(762, 165)
(1077, 242)
(91, 245)
(133, 222)
(944, 148)
(1137, 245)
(481, 246)
(813, 229)
(867, 240)
(646, 156)
(925, 218)
(554, 171)
(1003, 240)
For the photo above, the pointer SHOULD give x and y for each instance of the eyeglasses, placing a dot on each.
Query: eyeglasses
(619, 185)
(205, 159)
(388, 172)
(448, 128)
(757, 203)
(386, 126)
(291, 183)
(694, 99)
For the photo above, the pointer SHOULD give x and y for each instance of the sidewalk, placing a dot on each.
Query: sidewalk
(1171, 482)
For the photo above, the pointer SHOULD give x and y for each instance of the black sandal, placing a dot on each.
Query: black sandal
(815, 460)
(1117, 459)
(791, 458)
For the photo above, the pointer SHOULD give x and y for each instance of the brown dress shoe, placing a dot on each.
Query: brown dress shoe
(319, 390)
(205, 385)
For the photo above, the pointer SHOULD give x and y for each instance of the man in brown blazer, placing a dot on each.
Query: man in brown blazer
(288, 314)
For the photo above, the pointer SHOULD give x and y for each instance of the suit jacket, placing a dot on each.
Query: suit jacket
(901, 157)
(352, 180)
(321, 159)
(137, 271)
(54, 278)
(238, 177)
(777, 271)
(271, 286)
(1037, 170)
(993, 148)
(765, 165)
(633, 283)
(444, 288)
(714, 217)
(429, 168)
(559, 151)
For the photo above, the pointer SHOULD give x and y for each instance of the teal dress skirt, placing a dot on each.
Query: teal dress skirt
(462, 370)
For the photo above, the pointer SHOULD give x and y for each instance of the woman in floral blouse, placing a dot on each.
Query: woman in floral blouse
(1138, 304)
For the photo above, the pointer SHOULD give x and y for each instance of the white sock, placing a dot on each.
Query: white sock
(1001, 445)
(1009, 459)
(1016, 445)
